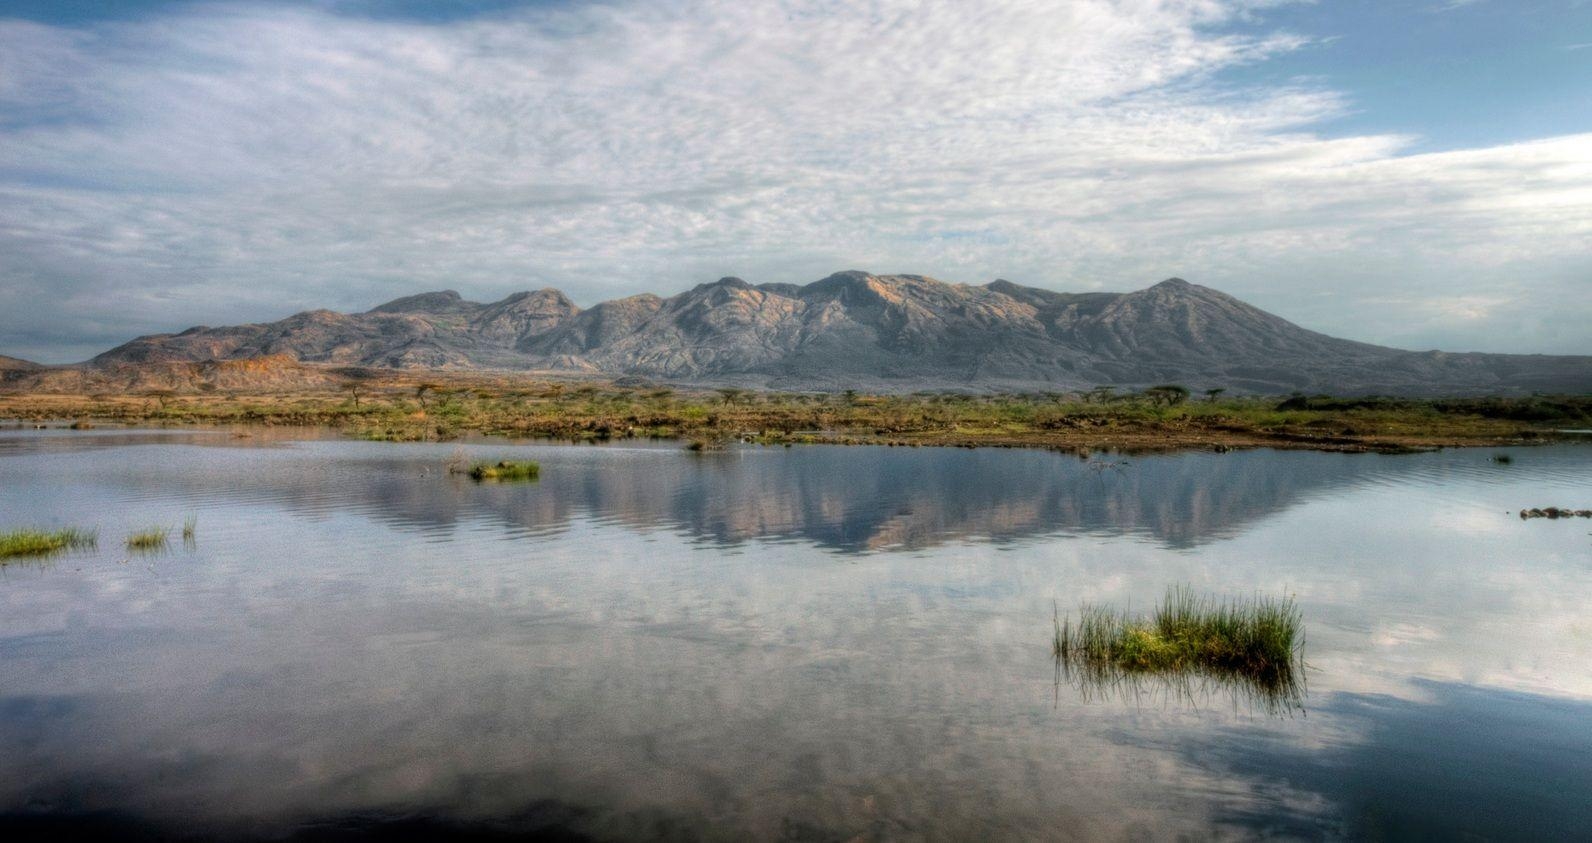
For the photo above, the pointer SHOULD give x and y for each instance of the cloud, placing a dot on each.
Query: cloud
(231, 162)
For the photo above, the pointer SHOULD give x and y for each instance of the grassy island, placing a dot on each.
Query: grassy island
(506, 470)
(31, 542)
(149, 538)
(1252, 645)
(1187, 632)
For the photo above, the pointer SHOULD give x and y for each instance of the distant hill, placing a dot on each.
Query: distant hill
(854, 330)
(270, 373)
(15, 372)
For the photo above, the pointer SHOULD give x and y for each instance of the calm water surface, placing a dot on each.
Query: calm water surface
(810, 643)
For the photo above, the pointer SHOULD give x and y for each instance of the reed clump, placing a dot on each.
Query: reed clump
(1258, 639)
(149, 538)
(34, 542)
(505, 470)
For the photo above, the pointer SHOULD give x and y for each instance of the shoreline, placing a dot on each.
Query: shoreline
(710, 421)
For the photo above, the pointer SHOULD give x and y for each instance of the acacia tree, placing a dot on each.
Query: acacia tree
(422, 389)
(162, 396)
(1170, 394)
(1210, 394)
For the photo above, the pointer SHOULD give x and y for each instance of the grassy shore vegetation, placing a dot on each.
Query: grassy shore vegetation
(505, 470)
(32, 542)
(1163, 417)
(1254, 645)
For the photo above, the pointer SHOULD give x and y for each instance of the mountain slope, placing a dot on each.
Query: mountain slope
(880, 332)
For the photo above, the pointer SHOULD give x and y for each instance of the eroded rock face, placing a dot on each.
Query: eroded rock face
(884, 332)
(523, 316)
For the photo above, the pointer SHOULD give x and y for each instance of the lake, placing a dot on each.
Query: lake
(821, 642)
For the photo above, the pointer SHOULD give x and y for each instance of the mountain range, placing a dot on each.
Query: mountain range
(856, 330)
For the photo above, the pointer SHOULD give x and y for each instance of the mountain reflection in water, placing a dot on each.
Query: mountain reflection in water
(812, 643)
(844, 499)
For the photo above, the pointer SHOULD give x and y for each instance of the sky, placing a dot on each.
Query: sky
(1416, 174)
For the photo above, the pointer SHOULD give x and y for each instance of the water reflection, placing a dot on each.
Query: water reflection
(1460, 763)
(847, 500)
(1273, 694)
(649, 644)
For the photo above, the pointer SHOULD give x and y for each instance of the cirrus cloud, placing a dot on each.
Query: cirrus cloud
(232, 162)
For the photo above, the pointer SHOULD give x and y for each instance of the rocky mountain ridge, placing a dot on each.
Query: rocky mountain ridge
(856, 330)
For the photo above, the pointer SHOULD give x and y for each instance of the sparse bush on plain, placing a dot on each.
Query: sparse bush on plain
(399, 407)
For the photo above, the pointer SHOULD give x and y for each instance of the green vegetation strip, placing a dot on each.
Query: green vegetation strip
(393, 407)
(1257, 639)
(29, 542)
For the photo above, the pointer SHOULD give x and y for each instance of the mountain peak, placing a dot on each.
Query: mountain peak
(839, 283)
(728, 281)
(1173, 283)
(850, 276)
(718, 292)
(548, 295)
(437, 302)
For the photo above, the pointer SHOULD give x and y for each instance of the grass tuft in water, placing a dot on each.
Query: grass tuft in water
(1256, 636)
(1256, 642)
(505, 470)
(190, 527)
(150, 538)
(31, 542)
